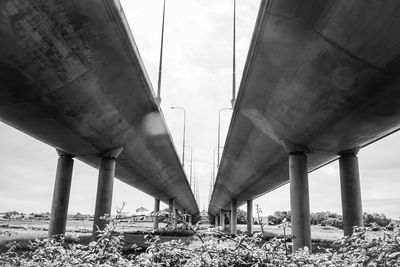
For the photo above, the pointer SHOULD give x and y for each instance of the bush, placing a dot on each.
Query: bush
(217, 249)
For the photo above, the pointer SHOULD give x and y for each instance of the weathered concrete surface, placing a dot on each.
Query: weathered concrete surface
(105, 190)
(321, 77)
(62, 189)
(351, 192)
(299, 201)
(250, 217)
(233, 219)
(71, 76)
(156, 209)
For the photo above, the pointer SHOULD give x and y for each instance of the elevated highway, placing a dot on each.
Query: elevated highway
(71, 76)
(321, 81)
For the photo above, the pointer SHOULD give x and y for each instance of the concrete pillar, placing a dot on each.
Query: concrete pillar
(172, 210)
(299, 200)
(250, 217)
(190, 219)
(233, 221)
(222, 219)
(62, 187)
(216, 220)
(105, 188)
(184, 219)
(156, 210)
(351, 192)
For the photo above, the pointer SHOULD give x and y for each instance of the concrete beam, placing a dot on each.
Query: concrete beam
(156, 209)
(299, 200)
(250, 217)
(62, 188)
(351, 192)
(233, 221)
(105, 189)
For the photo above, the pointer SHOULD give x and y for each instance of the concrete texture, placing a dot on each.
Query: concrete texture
(156, 209)
(222, 219)
(62, 188)
(351, 192)
(250, 217)
(233, 220)
(299, 201)
(321, 77)
(172, 210)
(71, 76)
(105, 188)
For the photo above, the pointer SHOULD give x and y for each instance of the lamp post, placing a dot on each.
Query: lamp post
(213, 169)
(191, 164)
(219, 131)
(194, 183)
(184, 133)
(234, 57)
(158, 98)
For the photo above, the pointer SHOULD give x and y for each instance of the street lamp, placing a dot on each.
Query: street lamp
(234, 57)
(184, 129)
(158, 98)
(191, 164)
(219, 131)
(213, 170)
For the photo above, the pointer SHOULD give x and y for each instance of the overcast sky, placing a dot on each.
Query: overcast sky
(197, 76)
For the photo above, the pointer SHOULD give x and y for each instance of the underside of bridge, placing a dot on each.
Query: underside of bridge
(71, 76)
(322, 79)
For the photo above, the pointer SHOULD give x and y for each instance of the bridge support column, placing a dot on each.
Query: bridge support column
(156, 210)
(299, 200)
(233, 221)
(190, 219)
(105, 189)
(250, 217)
(184, 219)
(351, 192)
(222, 219)
(172, 210)
(215, 220)
(62, 188)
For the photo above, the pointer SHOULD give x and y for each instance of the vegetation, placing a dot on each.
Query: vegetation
(216, 249)
(331, 219)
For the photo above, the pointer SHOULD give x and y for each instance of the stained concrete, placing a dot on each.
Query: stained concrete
(105, 188)
(71, 76)
(62, 189)
(250, 217)
(233, 219)
(350, 192)
(321, 77)
(299, 201)
(156, 209)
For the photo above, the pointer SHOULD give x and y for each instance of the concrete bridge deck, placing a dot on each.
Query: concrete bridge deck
(322, 78)
(72, 77)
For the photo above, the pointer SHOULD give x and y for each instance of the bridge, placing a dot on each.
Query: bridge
(321, 82)
(71, 76)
